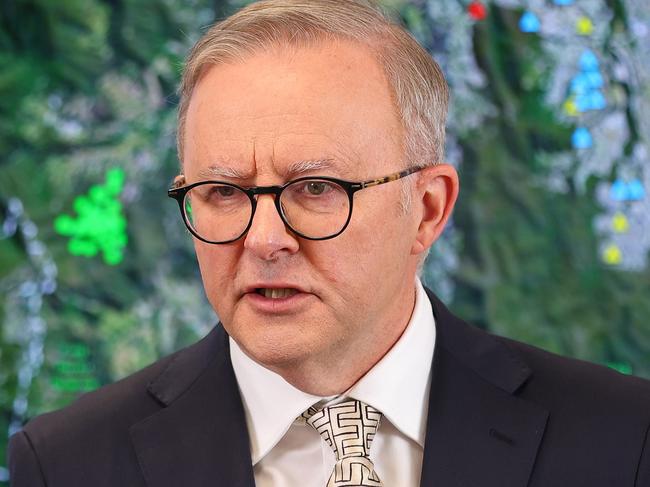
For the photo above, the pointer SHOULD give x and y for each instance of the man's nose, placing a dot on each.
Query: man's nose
(268, 236)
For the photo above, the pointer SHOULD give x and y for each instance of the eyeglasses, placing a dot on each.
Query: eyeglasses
(315, 208)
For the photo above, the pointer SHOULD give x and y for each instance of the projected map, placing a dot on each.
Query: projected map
(549, 129)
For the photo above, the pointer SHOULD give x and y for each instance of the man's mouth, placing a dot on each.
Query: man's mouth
(275, 293)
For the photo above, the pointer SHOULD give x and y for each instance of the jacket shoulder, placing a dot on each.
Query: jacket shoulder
(579, 378)
(132, 398)
(91, 431)
(124, 401)
(89, 441)
(588, 403)
(597, 415)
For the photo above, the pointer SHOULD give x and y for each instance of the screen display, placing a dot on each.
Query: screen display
(548, 127)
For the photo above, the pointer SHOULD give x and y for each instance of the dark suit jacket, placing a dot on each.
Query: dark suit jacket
(501, 414)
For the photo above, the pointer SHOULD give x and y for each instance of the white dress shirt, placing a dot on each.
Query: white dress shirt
(286, 453)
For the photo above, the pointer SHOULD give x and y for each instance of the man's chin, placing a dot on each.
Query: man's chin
(277, 358)
(280, 341)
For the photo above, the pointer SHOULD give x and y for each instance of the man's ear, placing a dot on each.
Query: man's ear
(436, 192)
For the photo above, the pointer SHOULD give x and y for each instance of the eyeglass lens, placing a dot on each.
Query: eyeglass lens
(315, 208)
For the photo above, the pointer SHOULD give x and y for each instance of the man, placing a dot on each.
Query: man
(311, 135)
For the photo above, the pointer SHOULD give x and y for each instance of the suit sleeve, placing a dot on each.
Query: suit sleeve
(643, 473)
(24, 467)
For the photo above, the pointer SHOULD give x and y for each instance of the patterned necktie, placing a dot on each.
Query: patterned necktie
(348, 428)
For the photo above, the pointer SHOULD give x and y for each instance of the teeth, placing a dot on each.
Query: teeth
(278, 293)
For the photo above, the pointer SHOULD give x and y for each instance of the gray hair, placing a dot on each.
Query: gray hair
(418, 87)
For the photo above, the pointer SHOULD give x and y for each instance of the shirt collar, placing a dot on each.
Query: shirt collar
(398, 386)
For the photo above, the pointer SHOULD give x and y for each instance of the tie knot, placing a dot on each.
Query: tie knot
(347, 427)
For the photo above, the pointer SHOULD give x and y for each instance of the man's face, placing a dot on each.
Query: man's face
(261, 116)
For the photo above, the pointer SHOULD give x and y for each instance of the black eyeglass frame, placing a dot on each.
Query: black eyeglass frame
(178, 192)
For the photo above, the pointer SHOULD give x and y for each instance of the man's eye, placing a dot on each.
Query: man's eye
(224, 191)
(316, 188)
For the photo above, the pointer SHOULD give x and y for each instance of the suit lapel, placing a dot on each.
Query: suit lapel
(479, 433)
(199, 438)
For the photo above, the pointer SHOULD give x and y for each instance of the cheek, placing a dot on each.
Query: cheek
(355, 261)
(217, 271)
(382, 240)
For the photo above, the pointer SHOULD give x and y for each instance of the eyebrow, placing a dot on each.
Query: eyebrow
(294, 169)
(301, 167)
(221, 171)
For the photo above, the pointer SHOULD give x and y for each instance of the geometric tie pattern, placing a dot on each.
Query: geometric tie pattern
(348, 428)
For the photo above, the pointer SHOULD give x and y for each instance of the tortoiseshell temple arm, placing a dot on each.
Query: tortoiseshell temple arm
(391, 177)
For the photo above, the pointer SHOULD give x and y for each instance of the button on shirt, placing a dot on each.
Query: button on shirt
(286, 452)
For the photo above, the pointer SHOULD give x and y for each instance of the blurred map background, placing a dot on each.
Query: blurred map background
(549, 129)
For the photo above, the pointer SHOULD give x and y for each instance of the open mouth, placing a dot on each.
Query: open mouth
(276, 293)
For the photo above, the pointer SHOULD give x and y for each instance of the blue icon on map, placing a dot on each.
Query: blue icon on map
(587, 84)
(529, 23)
(581, 138)
(588, 61)
(627, 190)
(594, 79)
(618, 191)
(593, 100)
(635, 190)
